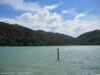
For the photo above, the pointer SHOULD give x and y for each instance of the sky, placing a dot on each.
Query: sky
(69, 17)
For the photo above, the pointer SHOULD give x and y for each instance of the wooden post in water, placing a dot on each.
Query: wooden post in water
(58, 54)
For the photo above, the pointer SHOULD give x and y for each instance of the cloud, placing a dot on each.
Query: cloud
(70, 12)
(53, 22)
(21, 5)
(51, 7)
(80, 15)
(64, 11)
(44, 19)
(76, 27)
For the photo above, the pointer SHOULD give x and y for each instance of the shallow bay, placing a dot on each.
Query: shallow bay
(42, 60)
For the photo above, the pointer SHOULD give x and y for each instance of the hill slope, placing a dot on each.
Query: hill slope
(15, 35)
(89, 38)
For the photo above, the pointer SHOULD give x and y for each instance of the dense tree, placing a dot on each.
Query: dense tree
(16, 35)
(89, 38)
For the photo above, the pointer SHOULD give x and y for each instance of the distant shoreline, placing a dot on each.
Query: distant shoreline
(16, 35)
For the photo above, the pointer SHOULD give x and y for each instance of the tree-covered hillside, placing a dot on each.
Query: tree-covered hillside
(89, 38)
(16, 35)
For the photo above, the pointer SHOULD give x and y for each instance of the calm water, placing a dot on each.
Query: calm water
(74, 60)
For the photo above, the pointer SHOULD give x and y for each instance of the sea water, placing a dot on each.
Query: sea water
(42, 60)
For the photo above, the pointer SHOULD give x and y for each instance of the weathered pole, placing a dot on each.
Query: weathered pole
(58, 54)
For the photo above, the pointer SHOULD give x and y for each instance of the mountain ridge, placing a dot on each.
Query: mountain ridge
(16, 35)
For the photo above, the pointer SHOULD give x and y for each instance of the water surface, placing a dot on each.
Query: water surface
(74, 60)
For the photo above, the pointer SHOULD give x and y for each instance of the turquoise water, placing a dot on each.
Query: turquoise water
(74, 60)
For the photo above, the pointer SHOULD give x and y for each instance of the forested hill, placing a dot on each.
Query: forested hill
(89, 38)
(16, 35)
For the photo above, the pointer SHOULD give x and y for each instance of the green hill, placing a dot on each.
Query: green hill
(16, 35)
(89, 38)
